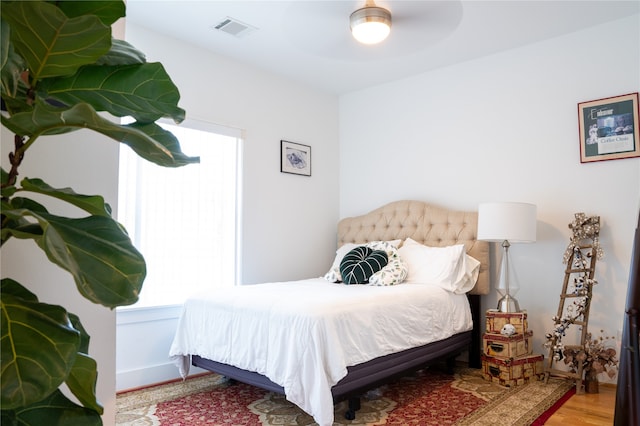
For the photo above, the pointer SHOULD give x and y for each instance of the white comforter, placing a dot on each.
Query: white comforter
(302, 335)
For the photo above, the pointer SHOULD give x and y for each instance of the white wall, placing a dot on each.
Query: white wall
(505, 128)
(289, 221)
(282, 212)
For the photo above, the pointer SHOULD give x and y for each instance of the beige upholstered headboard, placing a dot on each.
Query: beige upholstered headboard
(422, 222)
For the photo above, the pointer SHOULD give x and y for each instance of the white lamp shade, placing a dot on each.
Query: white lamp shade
(514, 222)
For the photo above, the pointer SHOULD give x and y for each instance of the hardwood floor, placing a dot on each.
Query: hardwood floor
(587, 409)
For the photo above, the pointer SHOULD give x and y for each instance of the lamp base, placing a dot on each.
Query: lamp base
(508, 304)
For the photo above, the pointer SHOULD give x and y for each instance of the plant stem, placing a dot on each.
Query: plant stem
(16, 159)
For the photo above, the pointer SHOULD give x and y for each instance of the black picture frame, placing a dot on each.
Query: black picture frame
(295, 158)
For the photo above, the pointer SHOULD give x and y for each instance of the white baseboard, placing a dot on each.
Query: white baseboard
(148, 376)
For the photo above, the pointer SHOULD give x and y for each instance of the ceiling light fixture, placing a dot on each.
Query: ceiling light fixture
(370, 24)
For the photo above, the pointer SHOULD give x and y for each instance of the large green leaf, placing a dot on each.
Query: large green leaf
(122, 53)
(18, 102)
(51, 43)
(96, 250)
(93, 204)
(56, 409)
(109, 11)
(82, 374)
(7, 190)
(21, 229)
(5, 32)
(19, 226)
(84, 336)
(149, 141)
(163, 137)
(39, 346)
(41, 120)
(12, 64)
(142, 91)
(27, 203)
(14, 288)
(82, 382)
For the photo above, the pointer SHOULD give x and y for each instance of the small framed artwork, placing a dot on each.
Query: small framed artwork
(609, 128)
(295, 158)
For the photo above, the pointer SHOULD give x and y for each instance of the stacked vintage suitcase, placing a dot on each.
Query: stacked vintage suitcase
(509, 360)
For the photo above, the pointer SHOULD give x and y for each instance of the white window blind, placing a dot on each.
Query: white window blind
(184, 220)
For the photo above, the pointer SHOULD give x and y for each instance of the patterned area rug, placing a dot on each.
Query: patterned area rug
(427, 397)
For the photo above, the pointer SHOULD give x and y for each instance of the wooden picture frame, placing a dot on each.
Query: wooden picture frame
(295, 158)
(609, 128)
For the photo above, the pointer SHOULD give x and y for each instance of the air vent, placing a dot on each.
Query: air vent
(234, 27)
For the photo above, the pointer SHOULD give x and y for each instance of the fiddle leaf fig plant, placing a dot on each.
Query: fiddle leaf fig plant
(63, 71)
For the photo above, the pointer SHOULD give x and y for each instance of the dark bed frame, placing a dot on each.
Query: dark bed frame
(398, 220)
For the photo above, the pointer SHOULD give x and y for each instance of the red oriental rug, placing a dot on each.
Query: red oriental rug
(427, 397)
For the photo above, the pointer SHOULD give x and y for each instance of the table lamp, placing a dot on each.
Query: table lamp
(506, 223)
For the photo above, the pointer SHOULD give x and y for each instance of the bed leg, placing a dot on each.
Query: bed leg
(354, 405)
(451, 364)
(476, 335)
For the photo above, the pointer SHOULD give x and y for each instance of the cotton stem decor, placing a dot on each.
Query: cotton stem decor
(583, 228)
(590, 356)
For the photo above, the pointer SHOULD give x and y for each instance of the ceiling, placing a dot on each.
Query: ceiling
(309, 41)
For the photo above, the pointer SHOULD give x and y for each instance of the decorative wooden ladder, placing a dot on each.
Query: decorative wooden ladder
(577, 288)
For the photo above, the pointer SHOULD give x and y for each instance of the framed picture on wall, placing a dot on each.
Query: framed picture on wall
(609, 128)
(295, 158)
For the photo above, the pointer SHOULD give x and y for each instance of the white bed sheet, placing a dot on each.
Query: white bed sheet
(302, 335)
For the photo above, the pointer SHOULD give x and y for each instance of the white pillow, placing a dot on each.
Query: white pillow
(395, 272)
(391, 247)
(334, 273)
(447, 267)
(472, 270)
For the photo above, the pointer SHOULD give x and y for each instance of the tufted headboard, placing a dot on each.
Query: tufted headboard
(424, 223)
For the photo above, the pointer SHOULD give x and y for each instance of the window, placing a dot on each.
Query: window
(184, 220)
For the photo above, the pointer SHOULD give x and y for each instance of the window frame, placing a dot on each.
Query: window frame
(168, 310)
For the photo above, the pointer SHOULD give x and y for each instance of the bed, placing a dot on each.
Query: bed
(336, 341)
